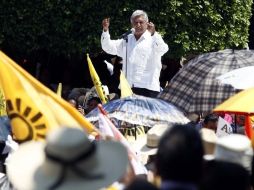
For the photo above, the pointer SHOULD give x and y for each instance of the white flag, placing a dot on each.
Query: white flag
(104, 127)
(108, 128)
(110, 67)
(223, 128)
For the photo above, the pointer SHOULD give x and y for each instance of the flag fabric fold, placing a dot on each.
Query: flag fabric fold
(34, 109)
(125, 87)
(106, 127)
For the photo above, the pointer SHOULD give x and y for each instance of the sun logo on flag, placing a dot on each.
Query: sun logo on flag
(26, 124)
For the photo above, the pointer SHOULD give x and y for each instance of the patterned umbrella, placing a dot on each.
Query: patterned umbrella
(195, 89)
(140, 110)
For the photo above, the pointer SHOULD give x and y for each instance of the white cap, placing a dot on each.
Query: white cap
(235, 148)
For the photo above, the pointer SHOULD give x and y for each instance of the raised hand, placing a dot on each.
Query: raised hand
(81, 110)
(151, 27)
(105, 24)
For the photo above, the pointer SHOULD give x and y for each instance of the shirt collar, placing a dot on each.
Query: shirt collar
(145, 35)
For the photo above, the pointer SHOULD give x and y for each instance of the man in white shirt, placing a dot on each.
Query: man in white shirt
(141, 52)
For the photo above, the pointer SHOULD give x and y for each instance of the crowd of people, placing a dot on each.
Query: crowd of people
(177, 157)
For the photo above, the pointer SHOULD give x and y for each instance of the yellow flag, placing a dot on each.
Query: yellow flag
(2, 104)
(32, 108)
(96, 81)
(59, 89)
(125, 87)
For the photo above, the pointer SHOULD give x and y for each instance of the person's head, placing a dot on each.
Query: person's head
(139, 20)
(82, 101)
(74, 94)
(180, 155)
(73, 103)
(112, 96)
(209, 139)
(234, 148)
(193, 117)
(211, 121)
(240, 120)
(92, 103)
(147, 145)
(138, 184)
(221, 175)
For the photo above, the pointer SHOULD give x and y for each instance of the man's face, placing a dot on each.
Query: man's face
(240, 120)
(139, 24)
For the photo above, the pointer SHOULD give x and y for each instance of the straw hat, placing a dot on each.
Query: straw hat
(209, 140)
(234, 148)
(148, 145)
(67, 160)
(193, 117)
(113, 96)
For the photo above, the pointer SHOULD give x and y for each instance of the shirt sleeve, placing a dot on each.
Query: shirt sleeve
(159, 45)
(113, 47)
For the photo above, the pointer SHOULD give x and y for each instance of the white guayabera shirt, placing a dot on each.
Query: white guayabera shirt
(143, 58)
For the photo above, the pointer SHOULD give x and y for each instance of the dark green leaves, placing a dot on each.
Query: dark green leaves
(65, 27)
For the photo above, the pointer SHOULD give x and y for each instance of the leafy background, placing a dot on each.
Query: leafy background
(58, 33)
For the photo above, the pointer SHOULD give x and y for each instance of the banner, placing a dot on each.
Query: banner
(125, 87)
(34, 109)
(224, 128)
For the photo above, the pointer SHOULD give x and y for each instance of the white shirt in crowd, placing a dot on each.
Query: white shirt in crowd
(143, 58)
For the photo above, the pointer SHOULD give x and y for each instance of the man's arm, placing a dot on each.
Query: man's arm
(159, 45)
(113, 47)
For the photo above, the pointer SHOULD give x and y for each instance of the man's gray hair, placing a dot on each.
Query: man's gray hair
(139, 13)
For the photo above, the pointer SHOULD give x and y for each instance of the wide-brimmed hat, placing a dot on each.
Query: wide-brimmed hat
(193, 117)
(67, 161)
(209, 140)
(234, 148)
(113, 96)
(148, 144)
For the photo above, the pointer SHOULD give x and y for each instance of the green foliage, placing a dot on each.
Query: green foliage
(66, 27)
(2, 104)
(207, 25)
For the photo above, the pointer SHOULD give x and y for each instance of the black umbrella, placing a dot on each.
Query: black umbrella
(195, 89)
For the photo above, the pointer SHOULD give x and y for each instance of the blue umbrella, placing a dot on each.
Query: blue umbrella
(140, 110)
(5, 127)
